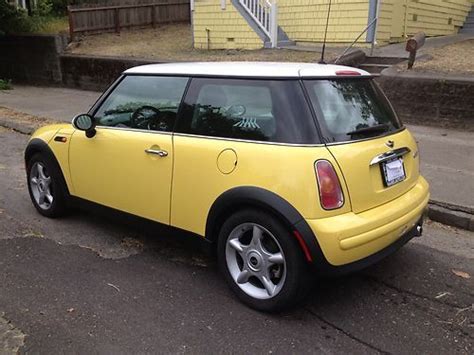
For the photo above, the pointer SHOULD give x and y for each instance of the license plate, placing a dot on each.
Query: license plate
(393, 171)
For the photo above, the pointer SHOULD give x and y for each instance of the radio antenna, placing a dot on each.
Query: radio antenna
(325, 35)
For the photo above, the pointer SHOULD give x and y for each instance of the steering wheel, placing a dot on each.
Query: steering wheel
(142, 116)
(164, 122)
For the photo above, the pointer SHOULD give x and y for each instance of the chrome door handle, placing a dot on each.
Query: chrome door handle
(159, 152)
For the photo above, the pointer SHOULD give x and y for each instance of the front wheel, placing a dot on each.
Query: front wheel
(261, 261)
(46, 186)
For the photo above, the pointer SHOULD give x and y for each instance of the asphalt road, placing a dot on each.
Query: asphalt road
(91, 284)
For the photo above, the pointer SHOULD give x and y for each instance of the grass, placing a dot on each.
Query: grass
(5, 84)
(50, 25)
(174, 43)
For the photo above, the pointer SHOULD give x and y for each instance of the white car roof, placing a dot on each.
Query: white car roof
(245, 69)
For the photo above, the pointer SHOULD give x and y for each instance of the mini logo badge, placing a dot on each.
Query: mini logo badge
(390, 144)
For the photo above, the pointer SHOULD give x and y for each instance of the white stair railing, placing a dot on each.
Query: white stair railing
(264, 13)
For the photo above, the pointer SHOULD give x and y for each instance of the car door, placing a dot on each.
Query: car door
(128, 164)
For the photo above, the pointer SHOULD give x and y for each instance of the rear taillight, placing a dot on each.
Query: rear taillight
(330, 191)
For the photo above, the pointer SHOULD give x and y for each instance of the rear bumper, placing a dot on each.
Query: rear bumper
(353, 241)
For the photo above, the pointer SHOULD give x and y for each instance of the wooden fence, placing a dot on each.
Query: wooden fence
(94, 19)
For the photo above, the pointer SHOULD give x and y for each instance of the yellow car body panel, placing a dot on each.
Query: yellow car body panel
(113, 169)
(353, 236)
(364, 180)
(286, 170)
(61, 152)
(47, 133)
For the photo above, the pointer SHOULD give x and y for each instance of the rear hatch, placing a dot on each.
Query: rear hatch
(377, 156)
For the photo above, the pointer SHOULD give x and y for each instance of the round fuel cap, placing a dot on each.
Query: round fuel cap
(227, 161)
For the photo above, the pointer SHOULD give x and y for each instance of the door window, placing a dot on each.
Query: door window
(260, 110)
(143, 102)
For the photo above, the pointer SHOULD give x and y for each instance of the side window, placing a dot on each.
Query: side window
(260, 110)
(143, 102)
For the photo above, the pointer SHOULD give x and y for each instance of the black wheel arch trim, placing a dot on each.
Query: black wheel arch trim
(265, 199)
(37, 145)
(259, 197)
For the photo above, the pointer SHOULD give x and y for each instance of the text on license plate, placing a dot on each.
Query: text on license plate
(393, 171)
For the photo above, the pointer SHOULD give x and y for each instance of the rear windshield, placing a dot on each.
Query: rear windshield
(351, 109)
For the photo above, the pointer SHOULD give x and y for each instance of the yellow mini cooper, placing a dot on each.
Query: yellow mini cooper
(288, 169)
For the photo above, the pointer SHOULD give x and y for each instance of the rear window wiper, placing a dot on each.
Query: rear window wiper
(377, 128)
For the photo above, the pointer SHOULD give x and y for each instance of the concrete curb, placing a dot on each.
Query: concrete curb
(19, 127)
(449, 214)
(451, 217)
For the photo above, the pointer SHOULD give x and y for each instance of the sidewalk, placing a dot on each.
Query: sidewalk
(447, 156)
(398, 49)
(61, 104)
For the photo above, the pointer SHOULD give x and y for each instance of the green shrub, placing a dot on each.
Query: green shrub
(5, 84)
(60, 6)
(12, 19)
(44, 8)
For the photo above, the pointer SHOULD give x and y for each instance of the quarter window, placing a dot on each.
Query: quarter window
(143, 102)
(260, 110)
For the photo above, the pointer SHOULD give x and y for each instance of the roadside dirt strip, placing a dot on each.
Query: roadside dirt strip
(11, 338)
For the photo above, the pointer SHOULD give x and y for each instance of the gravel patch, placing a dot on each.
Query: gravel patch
(456, 58)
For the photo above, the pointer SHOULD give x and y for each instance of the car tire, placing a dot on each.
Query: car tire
(46, 186)
(271, 276)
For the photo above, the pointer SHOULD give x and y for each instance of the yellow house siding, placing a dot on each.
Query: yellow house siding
(430, 16)
(227, 28)
(305, 20)
(384, 30)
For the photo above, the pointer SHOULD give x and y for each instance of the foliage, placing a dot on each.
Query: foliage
(53, 25)
(13, 19)
(44, 8)
(59, 7)
(5, 84)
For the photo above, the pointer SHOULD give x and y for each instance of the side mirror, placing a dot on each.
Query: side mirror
(85, 122)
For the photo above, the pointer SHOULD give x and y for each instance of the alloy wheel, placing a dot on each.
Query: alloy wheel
(255, 261)
(40, 184)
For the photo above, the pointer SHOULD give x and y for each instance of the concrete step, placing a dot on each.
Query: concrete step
(383, 60)
(374, 68)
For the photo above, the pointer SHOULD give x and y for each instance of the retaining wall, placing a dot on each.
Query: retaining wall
(94, 73)
(419, 98)
(431, 99)
(31, 58)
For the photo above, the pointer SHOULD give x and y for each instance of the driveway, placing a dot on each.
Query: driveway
(58, 103)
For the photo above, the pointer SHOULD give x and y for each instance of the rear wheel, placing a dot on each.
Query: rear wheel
(46, 186)
(261, 261)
